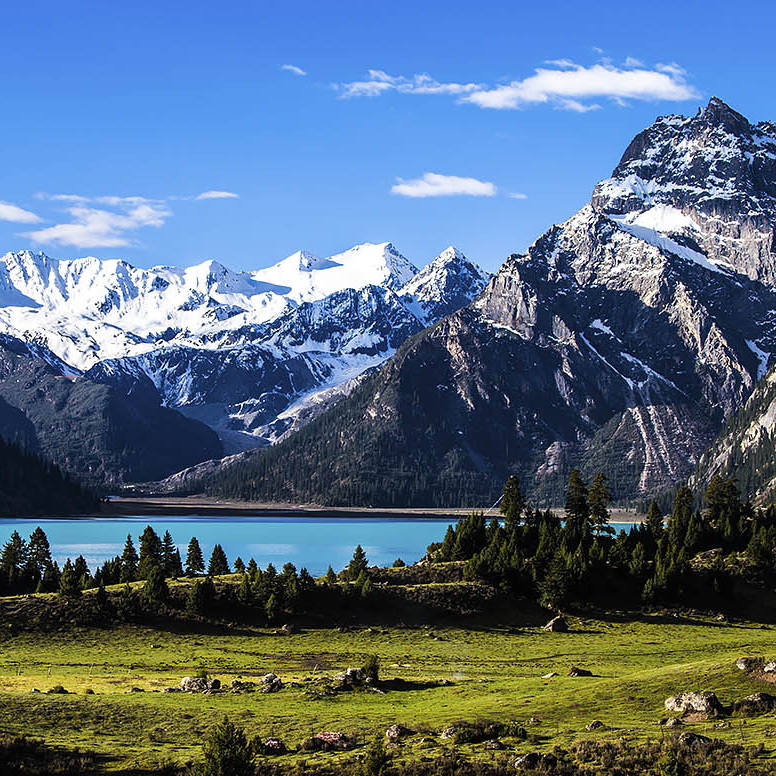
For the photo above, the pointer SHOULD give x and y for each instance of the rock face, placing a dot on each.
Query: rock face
(700, 702)
(619, 341)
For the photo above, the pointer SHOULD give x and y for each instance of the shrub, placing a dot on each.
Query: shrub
(226, 751)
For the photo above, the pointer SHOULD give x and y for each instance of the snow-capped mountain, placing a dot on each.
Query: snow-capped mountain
(233, 350)
(619, 341)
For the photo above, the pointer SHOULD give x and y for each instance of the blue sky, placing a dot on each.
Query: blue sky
(131, 111)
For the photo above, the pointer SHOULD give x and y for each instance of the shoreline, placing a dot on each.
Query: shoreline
(210, 507)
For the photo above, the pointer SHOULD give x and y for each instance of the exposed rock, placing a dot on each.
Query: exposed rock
(749, 663)
(495, 745)
(57, 689)
(557, 625)
(271, 683)
(528, 761)
(674, 722)
(595, 724)
(274, 746)
(238, 685)
(701, 702)
(290, 628)
(550, 675)
(769, 667)
(692, 740)
(395, 732)
(757, 703)
(579, 671)
(199, 684)
(350, 677)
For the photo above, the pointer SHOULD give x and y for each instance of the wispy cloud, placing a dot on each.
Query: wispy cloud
(212, 194)
(517, 195)
(97, 227)
(560, 83)
(378, 82)
(17, 215)
(293, 69)
(434, 185)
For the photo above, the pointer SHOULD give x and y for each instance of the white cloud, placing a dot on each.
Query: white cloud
(94, 227)
(293, 69)
(561, 83)
(517, 195)
(378, 82)
(434, 185)
(572, 86)
(217, 195)
(17, 215)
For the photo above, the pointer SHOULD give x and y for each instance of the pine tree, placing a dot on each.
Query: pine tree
(226, 751)
(331, 577)
(271, 608)
(358, 563)
(129, 561)
(155, 589)
(244, 592)
(598, 501)
(577, 511)
(38, 554)
(151, 552)
(252, 568)
(127, 607)
(195, 563)
(218, 564)
(654, 522)
(171, 557)
(555, 588)
(512, 503)
(69, 586)
(239, 566)
(14, 555)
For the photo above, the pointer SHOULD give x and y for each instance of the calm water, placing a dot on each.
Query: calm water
(311, 542)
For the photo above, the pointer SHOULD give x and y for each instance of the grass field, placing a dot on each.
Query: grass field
(495, 672)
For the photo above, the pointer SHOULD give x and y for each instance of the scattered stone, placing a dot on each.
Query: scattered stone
(550, 675)
(34, 690)
(395, 732)
(770, 667)
(199, 684)
(88, 691)
(57, 689)
(534, 721)
(171, 689)
(757, 703)
(692, 740)
(748, 663)
(495, 745)
(156, 646)
(274, 746)
(271, 683)
(674, 722)
(239, 686)
(701, 702)
(289, 628)
(136, 689)
(350, 677)
(427, 742)
(595, 724)
(557, 625)
(579, 672)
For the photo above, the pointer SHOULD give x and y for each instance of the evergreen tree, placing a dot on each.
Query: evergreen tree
(226, 751)
(271, 608)
(101, 598)
(512, 503)
(155, 589)
(680, 517)
(245, 592)
(555, 588)
(69, 585)
(252, 568)
(13, 558)
(358, 564)
(577, 510)
(171, 557)
(129, 561)
(239, 566)
(151, 552)
(127, 606)
(598, 501)
(218, 564)
(38, 555)
(195, 562)
(81, 571)
(654, 522)
(331, 577)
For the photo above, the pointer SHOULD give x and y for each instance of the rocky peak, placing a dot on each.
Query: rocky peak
(719, 114)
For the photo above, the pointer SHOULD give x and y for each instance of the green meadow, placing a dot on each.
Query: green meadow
(493, 667)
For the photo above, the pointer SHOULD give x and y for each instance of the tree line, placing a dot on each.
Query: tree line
(690, 555)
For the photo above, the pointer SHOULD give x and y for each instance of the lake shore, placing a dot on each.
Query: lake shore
(212, 507)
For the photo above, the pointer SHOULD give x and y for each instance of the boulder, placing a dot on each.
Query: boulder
(395, 732)
(289, 628)
(528, 761)
(550, 675)
(495, 745)
(748, 663)
(579, 672)
(674, 722)
(238, 685)
(770, 667)
(274, 746)
(329, 740)
(557, 625)
(350, 676)
(57, 689)
(692, 740)
(758, 703)
(701, 702)
(595, 724)
(194, 684)
(271, 683)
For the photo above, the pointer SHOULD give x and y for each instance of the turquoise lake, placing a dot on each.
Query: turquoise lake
(310, 542)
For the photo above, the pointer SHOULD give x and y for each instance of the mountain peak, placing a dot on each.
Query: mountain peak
(719, 114)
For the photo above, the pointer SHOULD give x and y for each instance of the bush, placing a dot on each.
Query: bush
(371, 667)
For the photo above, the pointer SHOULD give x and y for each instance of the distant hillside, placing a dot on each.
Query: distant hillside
(746, 446)
(29, 485)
